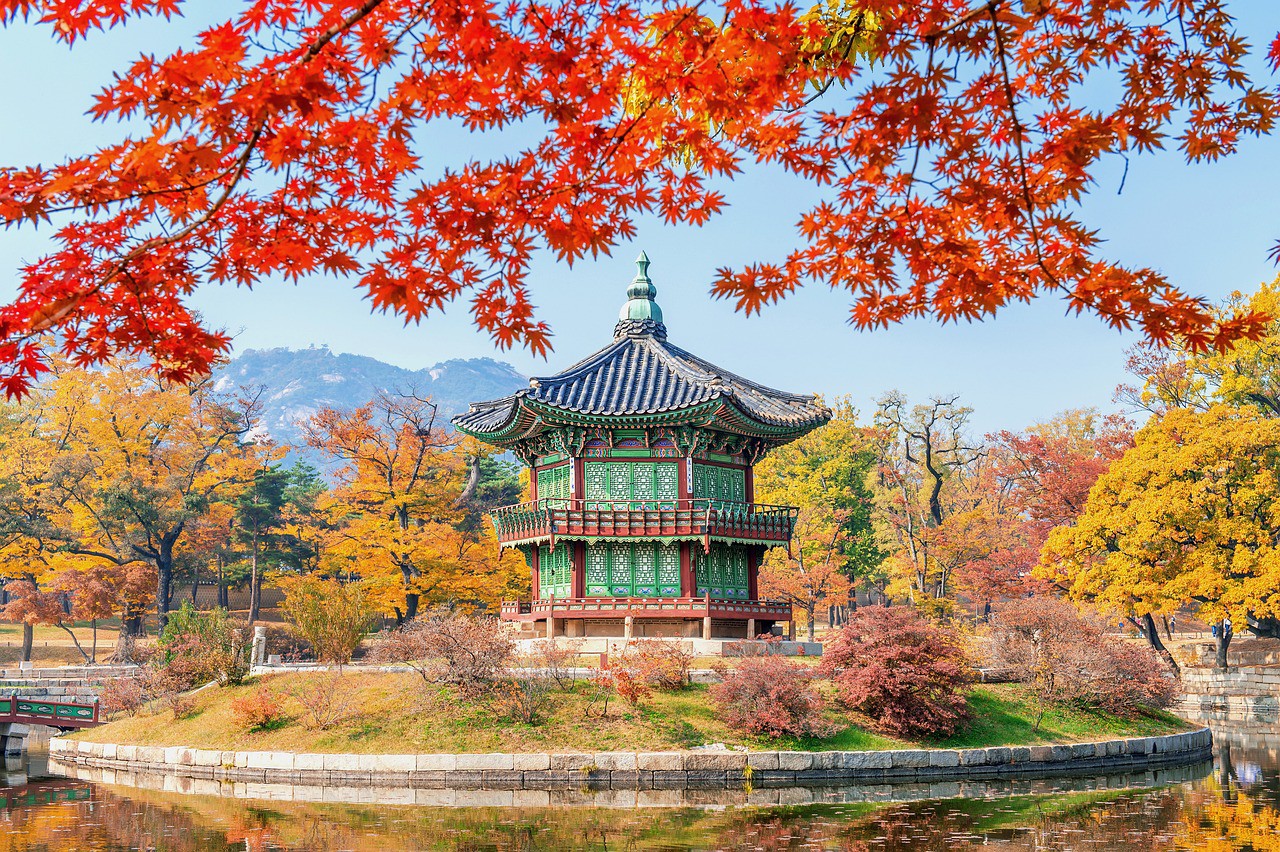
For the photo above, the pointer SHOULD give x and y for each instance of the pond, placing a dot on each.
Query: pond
(1231, 802)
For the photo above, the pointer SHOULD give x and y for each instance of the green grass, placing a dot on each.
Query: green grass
(397, 713)
(1005, 715)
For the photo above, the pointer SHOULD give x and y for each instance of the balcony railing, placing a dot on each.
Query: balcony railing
(699, 518)
(609, 607)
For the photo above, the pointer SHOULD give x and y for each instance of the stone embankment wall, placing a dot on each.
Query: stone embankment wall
(631, 770)
(1248, 694)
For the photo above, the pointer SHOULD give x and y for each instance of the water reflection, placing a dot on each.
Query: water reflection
(1232, 804)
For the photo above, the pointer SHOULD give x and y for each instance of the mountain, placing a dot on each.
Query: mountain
(300, 382)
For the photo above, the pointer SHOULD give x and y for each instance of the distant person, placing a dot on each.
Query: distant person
(1173, 624)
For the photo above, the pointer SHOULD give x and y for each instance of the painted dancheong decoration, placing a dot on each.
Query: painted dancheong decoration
(643, 515)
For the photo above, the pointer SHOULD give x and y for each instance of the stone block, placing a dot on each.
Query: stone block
(436, 762)
(127, 753)
(666, 761)
(268, 760)
(149, 754)
(501, 779)
(624, 761)
(998, 755)
(826, 760)
(1112, 748)
(1086, 751)
(1138, 746)
(573, 762)
(624, 779)
(341, 762)
(909, 759)
(866, 761)
(525, 762)
(706, 778)
(794, 761)
(309, 762)
(944, 758)
(1041, 754)
(974, 757)
(390, 762)
(108, 751)
(665, 779)
(464, 779)
(1019, 754)
(554, 779)
(703, 760)
(481, 762)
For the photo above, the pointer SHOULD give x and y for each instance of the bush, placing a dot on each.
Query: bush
(557, 660)
(467, 651)
(770, 696)
(260, 710)
(663, 665)
(901, 671)
(333, 617)
(325, 701)
(1065, 658)
(197, 647)
(525, 699)
(122, 695)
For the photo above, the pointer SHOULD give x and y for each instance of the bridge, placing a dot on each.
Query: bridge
(31, 710)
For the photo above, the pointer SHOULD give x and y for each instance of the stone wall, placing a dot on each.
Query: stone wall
(630, 770)
(1249, 694)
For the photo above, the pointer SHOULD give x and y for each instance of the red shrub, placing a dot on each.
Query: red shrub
(663, 665)
(258, 711)
(900, 670)
(470, 652)
(770, 696)
(122, 695)
(1066, 658)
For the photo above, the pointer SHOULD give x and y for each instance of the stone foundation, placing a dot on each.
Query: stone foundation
(626, 770)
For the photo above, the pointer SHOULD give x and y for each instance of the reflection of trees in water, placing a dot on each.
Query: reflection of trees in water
(1217, 813)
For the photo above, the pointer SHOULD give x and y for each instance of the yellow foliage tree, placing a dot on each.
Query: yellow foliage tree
(1188, 515)
(397, 509)
(824, 474)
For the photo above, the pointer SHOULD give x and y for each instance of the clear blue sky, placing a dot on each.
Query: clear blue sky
(1209, 227)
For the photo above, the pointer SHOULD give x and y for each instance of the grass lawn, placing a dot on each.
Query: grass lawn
(398, 714)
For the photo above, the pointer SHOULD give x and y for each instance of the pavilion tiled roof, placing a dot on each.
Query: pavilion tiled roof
(641, 374)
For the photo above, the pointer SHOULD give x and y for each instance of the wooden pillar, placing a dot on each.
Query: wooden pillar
(551, 627)
(791, 629)
(706, 619)
(578, 571)
(533, 568)
(628, 625)
(751, 628)
(753, 573)
(688, 580)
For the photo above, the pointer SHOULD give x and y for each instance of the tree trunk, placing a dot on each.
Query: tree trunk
(74, 640)
(1149, 627)
(255, 582)
(224, 600)
(94, 656)
(28, 639)
(1224, 642)
(810, 610)
(164, 588)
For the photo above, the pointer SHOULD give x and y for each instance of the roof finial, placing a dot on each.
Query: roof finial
(641, 314)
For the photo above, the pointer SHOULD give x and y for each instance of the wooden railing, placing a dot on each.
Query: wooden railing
(699, 517)
(608, 607)
(47, 711)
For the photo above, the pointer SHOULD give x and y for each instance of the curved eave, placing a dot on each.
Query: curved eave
(528, 418)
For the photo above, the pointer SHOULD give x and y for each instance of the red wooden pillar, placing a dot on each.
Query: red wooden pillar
(533, 567)
(753, 568)
(578, 557)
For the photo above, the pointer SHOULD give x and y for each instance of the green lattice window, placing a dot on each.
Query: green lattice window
(725, 486)
(722, 571)
(555, 572)
(633, 485)
(553, 483)
(627, 569)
